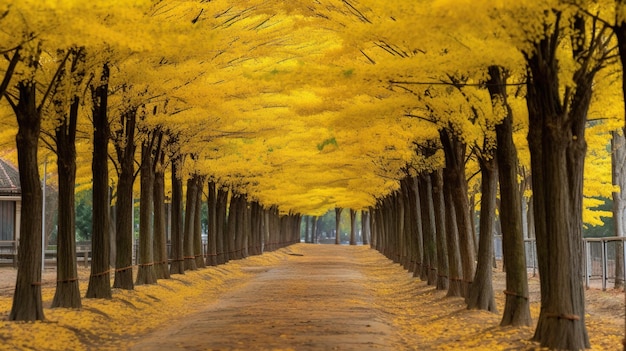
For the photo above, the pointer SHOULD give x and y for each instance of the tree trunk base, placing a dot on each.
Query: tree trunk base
(124, 279)
(442, 283)
(482, 299)
(99, 286)
(30, 307)
(162, 270)
(516, 312)
(406, 263)
(146, 275)
(177, 267)
(211, 260)
(67, 295)
(455, 288)
(432, 276)
(424, 273)
(190, 264)
(417, 270)
(200, 262)
(558, 333)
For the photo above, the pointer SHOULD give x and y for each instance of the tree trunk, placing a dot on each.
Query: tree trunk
(557, 147)
(27, 304)
(454, 174)
(161, 265)
(125, 148)
(145, 272)
(100, 277)
(190, 212)
(481, 292)
(257, 228)
(618, 161)
(270, 227)
(365, 227)
(440, 225)
(416, 225)
(620, 33)
(429, 262)
(67, 293)
(306, 220)
(352, 227)
(220, 240)
(516, 306)
(198, 249)
(455, 287)
(231, 232)
(211, 259)
(178, 253)
(247, 228)
(407, 226)
(241, 227)
(338, 225)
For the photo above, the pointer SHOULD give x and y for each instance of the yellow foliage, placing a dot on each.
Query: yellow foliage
(307, 106)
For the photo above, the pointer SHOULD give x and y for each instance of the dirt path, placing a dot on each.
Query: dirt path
(303, 297)
(315, 299)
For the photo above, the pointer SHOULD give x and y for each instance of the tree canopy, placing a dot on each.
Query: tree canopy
(302, 105)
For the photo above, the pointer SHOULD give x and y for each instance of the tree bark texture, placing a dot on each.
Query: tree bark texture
(178, 251)
(221, 221)
(557, 147)
(198, 250)
(415, 213)
(100, 278)
(403, 229)
(516, 307)
(481, 291)
(455, 288)
(145, 271)
(618, 162)
(338, 225)
(190, 212)
(241, 230)
(408, 261)
(353, 227)
(67, 293)
(256, 243)
(229, 238)
(454, 174)
(211, 259)
(161, 264)
(620, 33)
(440, 225)
(429, 262)
(27, 304)
(365, 225)
(125, 148)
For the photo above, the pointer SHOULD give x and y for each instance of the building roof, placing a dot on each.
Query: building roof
(9, 179)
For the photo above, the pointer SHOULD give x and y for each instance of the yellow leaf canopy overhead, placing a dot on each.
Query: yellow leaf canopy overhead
(298, 104)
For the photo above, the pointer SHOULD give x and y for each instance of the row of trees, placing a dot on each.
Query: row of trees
(432, 236)
(80, 79)
(297, 108)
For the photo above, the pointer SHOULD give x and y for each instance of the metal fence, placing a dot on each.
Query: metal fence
(599, 259)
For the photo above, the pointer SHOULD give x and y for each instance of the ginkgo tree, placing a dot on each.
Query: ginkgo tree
(292, 108)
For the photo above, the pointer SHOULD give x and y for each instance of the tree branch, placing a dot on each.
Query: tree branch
(9, 72)
(54, 80)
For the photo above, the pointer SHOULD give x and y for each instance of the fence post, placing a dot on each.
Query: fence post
(624, 257)
(587, 262)
(604, 264)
